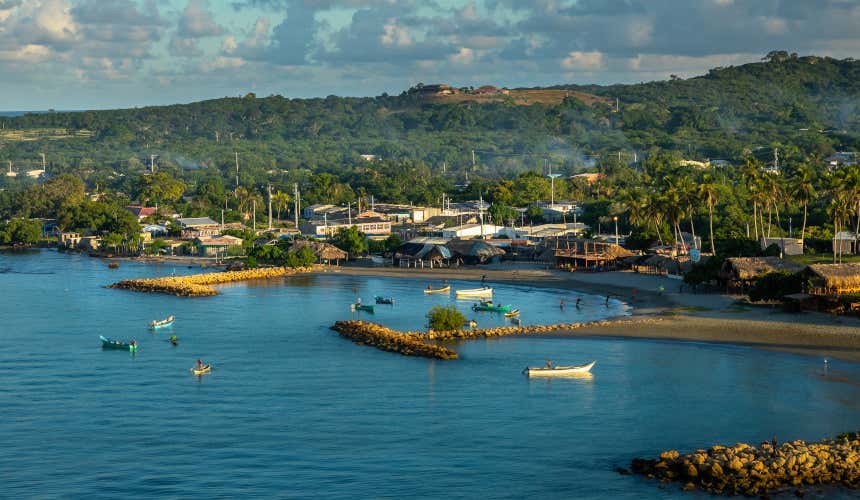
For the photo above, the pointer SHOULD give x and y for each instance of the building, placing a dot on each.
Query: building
(217, 245)
(834, 279)
(574, 254)
(154, 230)
(405, 213)
(324, 252)
(317, 211)
(474, 251)
(843, 159)
(415, 254)
(198, 227)
(845, 242)
(68, 239)
(559, 210)
(788, 246)
(537, 234)
(471, 231)
(371, 226)
(588, 178)
(695, 164)
(743, 272)
(140, 212)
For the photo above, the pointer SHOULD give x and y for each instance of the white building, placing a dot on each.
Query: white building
(471, 230)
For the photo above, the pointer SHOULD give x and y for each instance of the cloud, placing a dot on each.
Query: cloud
(197, 21)
(582, 60)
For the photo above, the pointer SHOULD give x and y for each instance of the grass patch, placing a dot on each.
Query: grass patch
(822, 258)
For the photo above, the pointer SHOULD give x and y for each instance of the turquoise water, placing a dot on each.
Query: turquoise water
(292, 410)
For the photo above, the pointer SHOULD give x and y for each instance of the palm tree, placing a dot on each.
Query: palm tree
(282, 201)
(708, 191)
(751, 174)
(653, 211)
(851, 187)
(687, 194)
(803, 191)
(840, 206)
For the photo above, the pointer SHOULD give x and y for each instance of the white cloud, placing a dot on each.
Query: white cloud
(395, 35)
(582, 60)
(464, 56)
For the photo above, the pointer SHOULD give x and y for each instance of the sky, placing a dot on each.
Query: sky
(96, 54)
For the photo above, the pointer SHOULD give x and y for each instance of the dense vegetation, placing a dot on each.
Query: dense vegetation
(804, 106)
(445, 318)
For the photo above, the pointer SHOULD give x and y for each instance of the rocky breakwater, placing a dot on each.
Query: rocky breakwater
(748, 470)
(474, 333)
(386, 339)
(199, 285)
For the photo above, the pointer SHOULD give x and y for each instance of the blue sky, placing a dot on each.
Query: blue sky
(87, 54)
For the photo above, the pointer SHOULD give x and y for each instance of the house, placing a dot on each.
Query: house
(155, 230)
(404, 213)
(433, 88)
(316, 211)
(558, 210)
(324, 252)
(471, 230)
(198, 227)
(536, 234)
(845, 242)
(474, 251)
(486, 90)
(842, 159)
(743, 272)
(834, 279)
(140, 212)
(420, 255)
(371, 226)
(214, 246)
(571, 253)
(367, 157)
(68, 239)
(788, 246)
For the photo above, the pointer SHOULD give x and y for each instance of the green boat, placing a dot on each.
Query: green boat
(116, 344)
(361, 307)
(489, 306)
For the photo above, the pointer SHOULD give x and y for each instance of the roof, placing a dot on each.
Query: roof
(474, 248)
(225, 240)
(428, 251)
(322, 250)
(747, 268)
(140, 211)
(838, 275)
(196, 221)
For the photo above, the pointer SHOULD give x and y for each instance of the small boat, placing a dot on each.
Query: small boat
(383, 300)
(116, 344)
(202, 371)
(444, 289)
(163, 323)
(512, 313)
(113, 265)
(559, 371)
(475, 292)
(361, 307)
(489, 306)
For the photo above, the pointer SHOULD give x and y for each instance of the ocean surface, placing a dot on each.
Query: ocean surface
(291, 410)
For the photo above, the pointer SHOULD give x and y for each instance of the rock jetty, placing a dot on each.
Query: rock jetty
(752, 471)
(386, 339)
(199, 285)
(475, 333)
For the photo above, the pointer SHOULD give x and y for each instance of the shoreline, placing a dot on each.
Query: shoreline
(683, 316)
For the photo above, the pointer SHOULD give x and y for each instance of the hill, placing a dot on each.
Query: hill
(806, 106)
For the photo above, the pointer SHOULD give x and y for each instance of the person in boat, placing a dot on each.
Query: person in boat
(200, 364)
(133, 342)
(483, 279)
(548, 364)
(358, 301)
(429, 286)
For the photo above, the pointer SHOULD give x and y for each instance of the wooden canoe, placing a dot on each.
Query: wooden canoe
(202, 371)
(361, 307)
(559, 371)
(163, 323)
(445, 289)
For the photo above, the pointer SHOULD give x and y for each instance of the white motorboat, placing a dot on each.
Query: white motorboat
(559, 371)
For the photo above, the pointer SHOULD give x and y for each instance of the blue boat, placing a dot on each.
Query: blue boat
(116, 344)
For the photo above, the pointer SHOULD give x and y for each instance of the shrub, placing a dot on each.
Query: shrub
(445, 318)
(774, 286)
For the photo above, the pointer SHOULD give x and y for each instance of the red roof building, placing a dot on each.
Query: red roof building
(141, 212)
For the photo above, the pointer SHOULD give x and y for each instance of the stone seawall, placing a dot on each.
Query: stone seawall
(199, 285)
(752, 471)
(415, 343)
(386, 339)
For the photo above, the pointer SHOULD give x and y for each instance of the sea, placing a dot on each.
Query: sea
(292, 410)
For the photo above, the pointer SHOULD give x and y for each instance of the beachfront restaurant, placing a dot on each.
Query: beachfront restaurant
(741, 273)
(575, 254)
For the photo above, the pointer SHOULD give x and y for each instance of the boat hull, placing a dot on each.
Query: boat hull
(560, 371)
(446, 289)
(384, 300)
(498, 309)
(356, 307)
(117, 345)
(202, 371)
(475, 292)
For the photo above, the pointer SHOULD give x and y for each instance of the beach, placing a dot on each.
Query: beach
(678, 312)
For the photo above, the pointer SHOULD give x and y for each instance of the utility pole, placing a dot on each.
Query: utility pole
(254, 214)
(152, 164)
(44, 171)
(776, 159)
(237, 168)
(349, 213)
(222, 221)
(269, 187)
(481, 212)
(473, 158)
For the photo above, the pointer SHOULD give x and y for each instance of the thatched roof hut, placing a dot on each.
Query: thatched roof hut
(744, 270)
(474, 251)
(575, 253)
(834, 279)
(324, 252)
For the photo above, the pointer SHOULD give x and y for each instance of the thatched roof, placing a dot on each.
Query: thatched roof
(324, 251)
(750, 268)
(424, 251)
(838, 276)
(474, 248)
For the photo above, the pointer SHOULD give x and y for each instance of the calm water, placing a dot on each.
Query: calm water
(293, 410)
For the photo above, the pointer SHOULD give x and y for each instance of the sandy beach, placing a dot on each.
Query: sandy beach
(679, 313)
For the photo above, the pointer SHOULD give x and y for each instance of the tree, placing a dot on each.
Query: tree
(803, 191)
(445, 318)
(501, 214)
(281, 201)
(113, 240)
(350, 240)
(21, 231)
(159, 187)
(708, 191)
